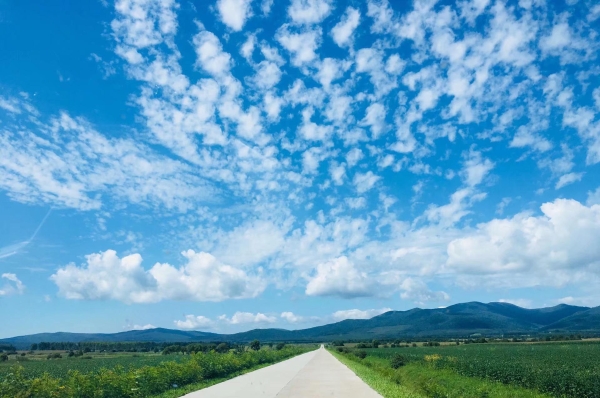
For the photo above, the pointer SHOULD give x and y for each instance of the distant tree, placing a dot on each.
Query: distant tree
(337, 343)
(375, 343)
(34, 347)
(255, 345)
(361, 354)
(279, 346)
(223, 347)
(414, 344)
(3, 357)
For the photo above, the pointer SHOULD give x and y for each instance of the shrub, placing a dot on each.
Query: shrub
(361, 354)
(279, 346)
(3, 357)
(398, 361)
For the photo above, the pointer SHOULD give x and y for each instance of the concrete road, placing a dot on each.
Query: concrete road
(311, 375)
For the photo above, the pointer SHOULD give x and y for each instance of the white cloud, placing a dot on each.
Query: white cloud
(418, 292)
(338, 173)
(248, 47)
(558, 245)
(375, 117)
(339, 277)
(525, 138)
(108, 277)
(302, 46)
(343, 30)
(476, 168)
(568, 179)
(70, 164)
(558, 38)
(192, 322)
(291, 317)
(330, 69)
(210, 54)
(356, 203)
(266, 6)
(354, 156)
(243, 318)
(12, 286)
(234, 13)
(358, 314)
(143, 327)
(309, 11)
(365, 181)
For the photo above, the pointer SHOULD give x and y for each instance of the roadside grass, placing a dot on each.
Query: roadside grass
(382, 383)
(420, 380)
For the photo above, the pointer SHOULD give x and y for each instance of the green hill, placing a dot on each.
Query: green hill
(457, 320)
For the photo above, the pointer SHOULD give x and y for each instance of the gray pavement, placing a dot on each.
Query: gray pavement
(313, 375)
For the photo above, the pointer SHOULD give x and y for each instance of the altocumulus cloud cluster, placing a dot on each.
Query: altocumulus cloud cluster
(349, 149)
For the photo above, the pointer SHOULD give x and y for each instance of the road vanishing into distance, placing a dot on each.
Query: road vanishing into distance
(312, 375)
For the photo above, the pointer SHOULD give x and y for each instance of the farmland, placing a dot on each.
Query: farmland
(555, 370)
(35, 365)
(124, 375)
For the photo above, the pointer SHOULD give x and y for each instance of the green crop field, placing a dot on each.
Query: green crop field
(36, 365)
(559, 370)
(128, 376)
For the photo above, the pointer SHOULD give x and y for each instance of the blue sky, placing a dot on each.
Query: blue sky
(231, 164)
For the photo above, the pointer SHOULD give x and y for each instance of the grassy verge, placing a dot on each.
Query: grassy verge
(421, 380)
(379, 382)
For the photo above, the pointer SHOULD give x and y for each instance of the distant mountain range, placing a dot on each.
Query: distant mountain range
(459, 320)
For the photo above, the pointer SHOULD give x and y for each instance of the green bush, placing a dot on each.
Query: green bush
(361, 354)
(398, 361)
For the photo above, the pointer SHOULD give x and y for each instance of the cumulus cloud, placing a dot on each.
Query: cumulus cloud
(143, 327)
(12, 285)
(234, 13)
(291, 317)
(418, 292)
(105, 276)
(302, 45)
(343, 30)
(365, 181)
(309, 11)
(192, 322)
(339, 277)
(243, 318)
(556, 246)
